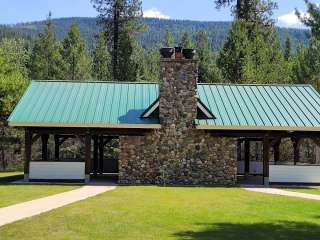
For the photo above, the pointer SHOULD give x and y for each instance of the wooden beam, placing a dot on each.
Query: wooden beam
(27, 152)
(276, 152)
(93, 131)
(95, 155)
(44, 139)
(56, 147)
(64, 138)
(296, 150)
(35, 138)
(239, 152)
(266, 156)
(87, 156)
(101, 148)
(247, 156)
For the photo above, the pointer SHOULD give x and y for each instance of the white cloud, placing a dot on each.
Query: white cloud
(154, 13)
(290, 19)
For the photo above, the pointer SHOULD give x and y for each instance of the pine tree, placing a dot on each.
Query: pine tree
(13, 78)
(208, 71)
(46, 59)
(306, 67)
(186, 40)
(168, 40)
(119, 19)
(288, 49)
(76, 55)
(232, 57)
(101, 60)
(255, 11)
(252, 56)
(312, 19)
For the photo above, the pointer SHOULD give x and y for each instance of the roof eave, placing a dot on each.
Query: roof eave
(80, 125)
(259, 128)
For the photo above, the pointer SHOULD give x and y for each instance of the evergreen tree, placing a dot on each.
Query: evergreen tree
(288, 49)
(129, 64)
(255, 11)
(120, 19)
(312, 19)
(13, 79)
(186, 40)
(151, 65)
(168, 40)
(252, 56)
(76, 55)
(101, 60)
(208, 71)
(306, 67)
(46, 59)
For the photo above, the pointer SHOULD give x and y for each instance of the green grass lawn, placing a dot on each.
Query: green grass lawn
(12, 194)
(10, 174)
(175, 213)
(305, 190)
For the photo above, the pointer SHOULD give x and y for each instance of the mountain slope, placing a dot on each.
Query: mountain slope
(155, 30)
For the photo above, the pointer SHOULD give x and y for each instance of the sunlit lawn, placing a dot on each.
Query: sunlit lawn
(12, 194)
(10, 174)
(175, 213)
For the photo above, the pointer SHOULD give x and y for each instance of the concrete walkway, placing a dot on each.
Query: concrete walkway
(31, 208)
(281, 192)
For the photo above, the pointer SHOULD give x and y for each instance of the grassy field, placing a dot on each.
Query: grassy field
(305, 190)
(12, 194)
(175, 213)
(10, 174)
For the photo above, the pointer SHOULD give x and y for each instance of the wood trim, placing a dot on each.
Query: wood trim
(259, 128)
(80, 125)
(151, 109)
(27, 151)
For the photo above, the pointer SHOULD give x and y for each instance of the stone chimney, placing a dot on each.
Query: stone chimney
(178, 90)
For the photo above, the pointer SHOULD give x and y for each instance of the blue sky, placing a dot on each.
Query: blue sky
(30, 10)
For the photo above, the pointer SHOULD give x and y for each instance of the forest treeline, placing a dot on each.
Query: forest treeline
(154, 32)
(123, 47)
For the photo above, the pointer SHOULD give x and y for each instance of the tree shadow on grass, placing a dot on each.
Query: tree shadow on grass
(255, 231)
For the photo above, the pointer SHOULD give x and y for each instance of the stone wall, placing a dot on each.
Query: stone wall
(178, 153)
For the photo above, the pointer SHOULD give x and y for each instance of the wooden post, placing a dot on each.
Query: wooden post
(239, 157)
(296, 150)
(56, 147)
(266, 155)
(276, 152)
(101, 146)
(95, 155)
(27, 152)
(87, 157)
(45, 139)
(247, 156)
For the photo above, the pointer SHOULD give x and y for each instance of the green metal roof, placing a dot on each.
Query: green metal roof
(109, 104)
(85, 103)
(261, 107)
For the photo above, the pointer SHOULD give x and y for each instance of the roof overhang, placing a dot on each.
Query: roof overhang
(259, 128)
(80, 125)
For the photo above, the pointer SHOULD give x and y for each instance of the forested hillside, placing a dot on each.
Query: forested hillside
(217, 31)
